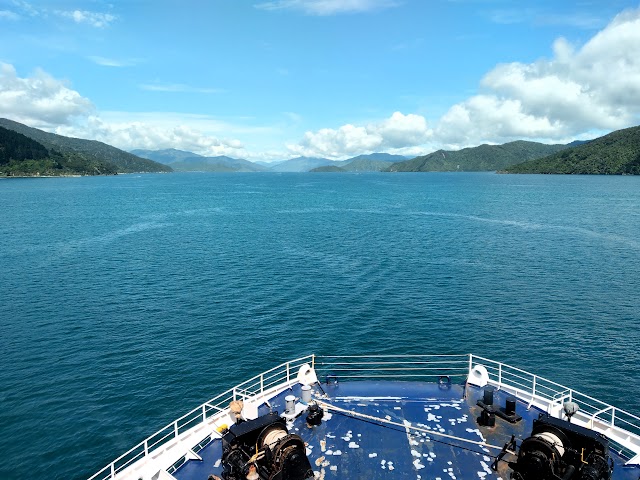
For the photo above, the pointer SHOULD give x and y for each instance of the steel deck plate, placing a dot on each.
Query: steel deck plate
(346, 447)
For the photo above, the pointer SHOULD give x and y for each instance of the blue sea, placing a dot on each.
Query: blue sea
(128, 300)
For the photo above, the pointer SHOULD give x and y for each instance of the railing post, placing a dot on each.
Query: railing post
(613, 416)
(204, 413)
(499, 375)
(288, 374)
(175, 429)
(146, 447)
(313, 361)
(261, 383)
(595, 415)
(533, 390)
(113, 470)
(470, 365)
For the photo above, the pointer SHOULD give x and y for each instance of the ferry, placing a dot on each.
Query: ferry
(436, 417)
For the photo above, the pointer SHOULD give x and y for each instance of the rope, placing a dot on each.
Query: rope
(409, 427)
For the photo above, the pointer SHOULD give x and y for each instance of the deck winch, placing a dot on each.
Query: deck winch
(263, 449)
(560, 450)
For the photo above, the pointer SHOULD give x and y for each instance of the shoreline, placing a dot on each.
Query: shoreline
(75, 175)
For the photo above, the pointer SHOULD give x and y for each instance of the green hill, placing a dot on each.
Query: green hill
(300, 164)
(15, 146)
(372, 162)
(23, 156)
(166, 156)
(365, 165)
(484, 158)
(183, 161)
(329, 168)
(615, 154)
(83, 154)
(220, 163)
(202, 164)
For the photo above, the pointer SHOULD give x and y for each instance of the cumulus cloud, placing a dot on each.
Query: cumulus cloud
(580, 92)
(397, 131)
(94, 19)
(327, 7)
(147, 135)
(44, 102)
(594, 87)
(39, 100)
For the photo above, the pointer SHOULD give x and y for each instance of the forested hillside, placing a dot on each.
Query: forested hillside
(477, 159)
(86, 154)
(615, 154)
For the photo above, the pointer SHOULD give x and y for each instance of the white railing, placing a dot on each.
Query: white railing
(264, 384)
(198, 426)
(619, 426)
(393, 367)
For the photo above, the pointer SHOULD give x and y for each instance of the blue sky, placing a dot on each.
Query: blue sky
(270, 80)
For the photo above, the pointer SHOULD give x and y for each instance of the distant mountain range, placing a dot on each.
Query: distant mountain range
(60, 155)
(183, 161)
(617, 153)
(373, 162)
(166, 156)
(300, 164)
(29, 151)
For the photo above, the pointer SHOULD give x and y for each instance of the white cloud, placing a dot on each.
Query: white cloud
(592, 88)
(94, 19)
(485, 118)
(293, 117)
(397, 131)
(110, 62)
(8, 15)
(128, 135)
(40, 100)
(21, 9)
(328, 7)
(44, 102)
(581, 89)
(178, 88)
(403, 130)
(537, 16)
(579, 92)
(574, 19)
(26, 8)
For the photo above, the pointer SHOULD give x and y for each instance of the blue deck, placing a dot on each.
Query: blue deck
(344, 447)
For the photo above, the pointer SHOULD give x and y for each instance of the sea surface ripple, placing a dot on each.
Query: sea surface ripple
(128, 300)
